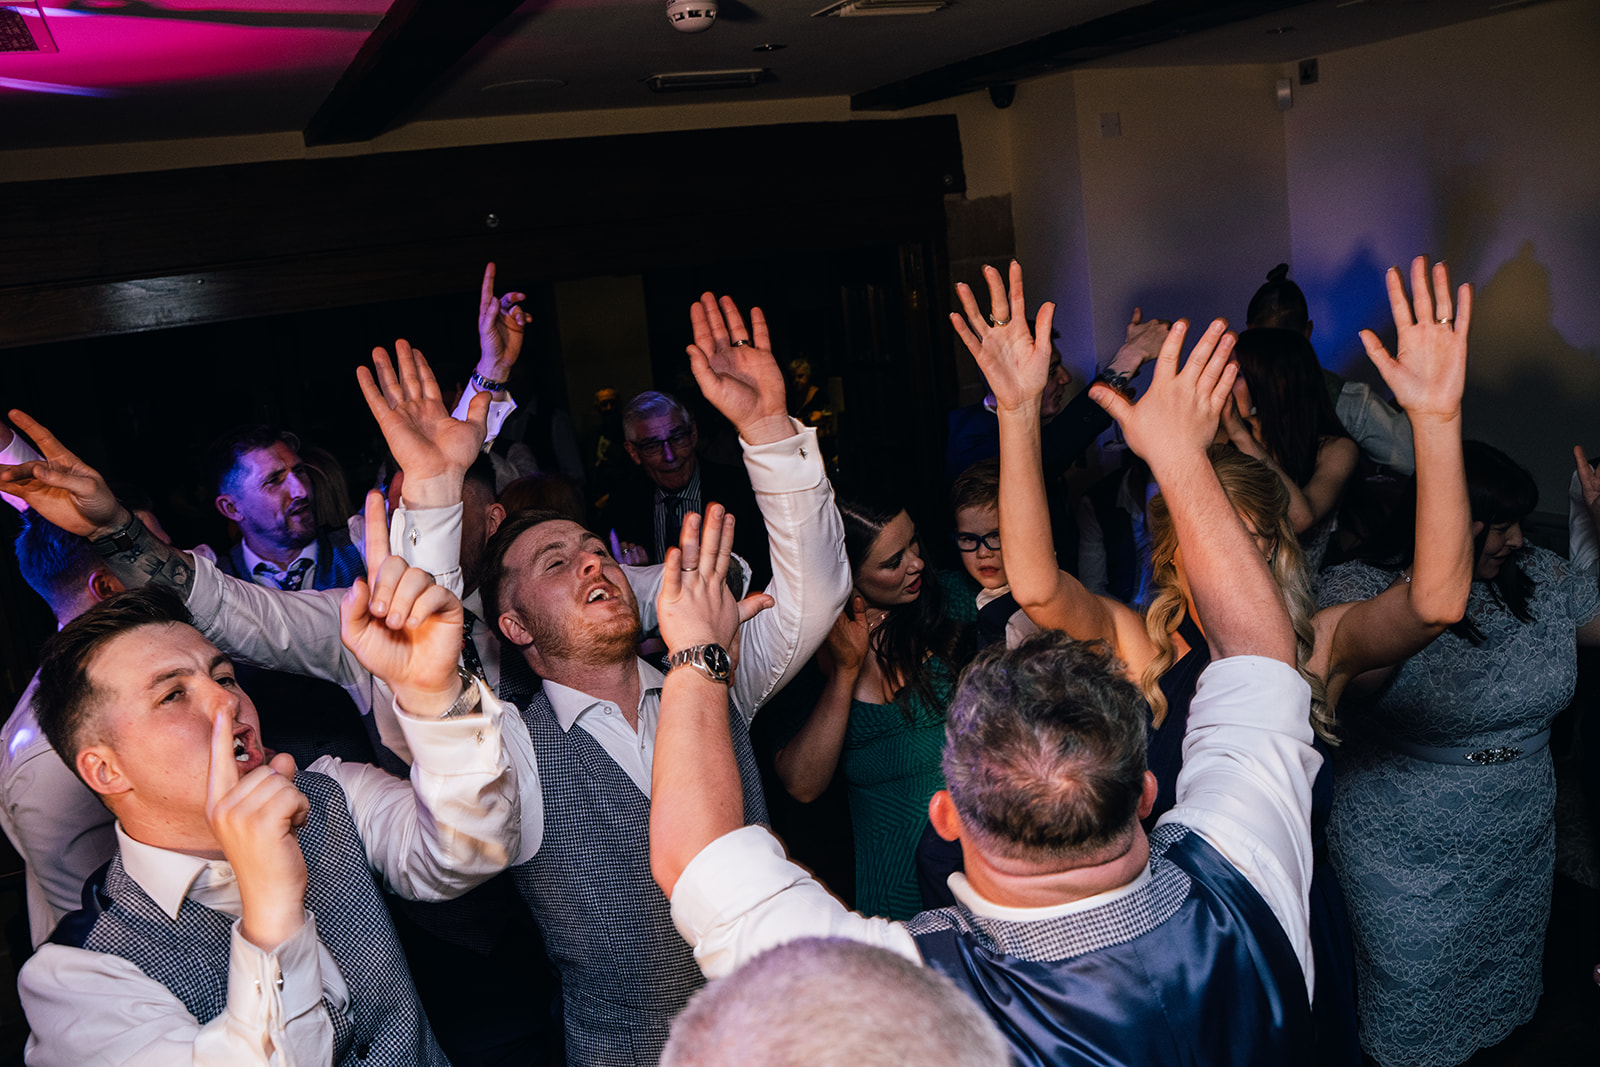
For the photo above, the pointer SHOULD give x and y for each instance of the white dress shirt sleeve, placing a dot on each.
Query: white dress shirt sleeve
(1246, 780)
(1583, 544)
(429, 538)
(810, 574)
(741, 896)
(471, 809)
(499, 411)
(18, 450)
(89, 1007)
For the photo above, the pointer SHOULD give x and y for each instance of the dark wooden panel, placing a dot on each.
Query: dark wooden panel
(123, 227)
(416, 43)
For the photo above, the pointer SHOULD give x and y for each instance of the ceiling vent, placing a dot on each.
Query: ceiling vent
(854, 8)
(22, 29)
(689, 81)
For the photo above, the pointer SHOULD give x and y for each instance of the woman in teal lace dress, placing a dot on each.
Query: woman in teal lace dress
(891, 662)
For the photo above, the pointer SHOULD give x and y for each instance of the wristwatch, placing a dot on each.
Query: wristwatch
(710, 660)
(488, 385)
(471, 696)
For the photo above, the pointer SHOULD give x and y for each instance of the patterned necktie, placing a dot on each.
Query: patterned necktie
(296, 577)
(671, 523)
(469, 648)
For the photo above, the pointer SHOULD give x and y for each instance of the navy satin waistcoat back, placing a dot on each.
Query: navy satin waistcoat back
(1213, 982)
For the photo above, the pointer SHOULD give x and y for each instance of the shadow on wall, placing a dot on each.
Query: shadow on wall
(1354, 299)
(1529, 392)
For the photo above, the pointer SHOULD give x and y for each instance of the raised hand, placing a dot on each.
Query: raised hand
(1015, 361)
(500, 325)
(401, 626)
(695, 605)
(61, 487)
(1177, 416)
(254, 818)
(1142, 344)
(1428, 372)
(736, 370)
(433, 449)
(1588, 477)
(848, 642)
(1241, 430)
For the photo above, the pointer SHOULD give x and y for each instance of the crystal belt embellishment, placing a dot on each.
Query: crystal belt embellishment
(1503, 754)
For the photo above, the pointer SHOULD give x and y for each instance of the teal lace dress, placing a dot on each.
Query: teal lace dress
(1447, 868)
(891, 764)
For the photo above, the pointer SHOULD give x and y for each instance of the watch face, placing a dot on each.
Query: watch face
(716, 657)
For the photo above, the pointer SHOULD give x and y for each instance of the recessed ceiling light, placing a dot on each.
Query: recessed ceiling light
(769, 48)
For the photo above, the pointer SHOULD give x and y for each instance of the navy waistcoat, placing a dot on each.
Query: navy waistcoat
(1193, 968)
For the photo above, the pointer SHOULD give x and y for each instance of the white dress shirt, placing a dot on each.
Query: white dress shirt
(1245, 787)
(1583, 540)
(17, 451)
(454, 824)
(265, 572)
(56, 823)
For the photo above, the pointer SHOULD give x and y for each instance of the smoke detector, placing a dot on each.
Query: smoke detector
(691, 16)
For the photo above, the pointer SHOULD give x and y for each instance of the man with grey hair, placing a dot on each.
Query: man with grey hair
(881, 1009)
(673, 480)
(1088, 941)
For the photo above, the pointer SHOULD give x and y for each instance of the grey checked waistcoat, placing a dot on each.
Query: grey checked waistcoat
(625, 972)
(385, 1024)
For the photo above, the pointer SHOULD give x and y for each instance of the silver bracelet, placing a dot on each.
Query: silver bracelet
(488, 385)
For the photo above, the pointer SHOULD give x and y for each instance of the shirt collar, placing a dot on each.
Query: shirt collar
(251, 560)
(968, 897)
(569, 704)
(989, 596)
(164, 875)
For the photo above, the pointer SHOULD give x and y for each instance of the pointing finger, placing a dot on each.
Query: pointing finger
(224, 772)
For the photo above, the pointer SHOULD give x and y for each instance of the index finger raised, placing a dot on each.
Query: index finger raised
(377, 534)
(224, 771)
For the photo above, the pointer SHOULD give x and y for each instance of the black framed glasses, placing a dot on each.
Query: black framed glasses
(969, 542)
(654, 446)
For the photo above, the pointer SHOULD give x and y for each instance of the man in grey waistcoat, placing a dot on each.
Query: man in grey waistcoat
(564, 607)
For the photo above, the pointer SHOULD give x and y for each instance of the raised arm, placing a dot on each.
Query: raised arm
(736, 371)
(1427, 375)
(807, 763)
(1308, 504)
(1583, 518)
(1171, 427)
(1016, 364)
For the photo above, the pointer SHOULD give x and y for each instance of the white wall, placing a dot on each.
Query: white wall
(1478, 143)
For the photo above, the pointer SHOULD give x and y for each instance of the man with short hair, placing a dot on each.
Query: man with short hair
(1088, 941)
(240, 920)
(661, 438)
(570, 613)
(880, 1009)
(57, 825)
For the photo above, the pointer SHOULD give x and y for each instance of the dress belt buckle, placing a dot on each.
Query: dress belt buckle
(1485, 757)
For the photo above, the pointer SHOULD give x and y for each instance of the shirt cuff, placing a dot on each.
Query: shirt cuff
(499, 411)
(429, 538)
(468, 744)
(729, 878)
(205, 592)
(792, 465)
(266, 989)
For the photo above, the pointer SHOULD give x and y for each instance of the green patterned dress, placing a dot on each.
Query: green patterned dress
(891, 763)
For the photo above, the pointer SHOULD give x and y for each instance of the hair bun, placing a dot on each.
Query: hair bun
(1278, 273)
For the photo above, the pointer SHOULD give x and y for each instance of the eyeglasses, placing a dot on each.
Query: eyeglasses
(655, 446)
(968, 542)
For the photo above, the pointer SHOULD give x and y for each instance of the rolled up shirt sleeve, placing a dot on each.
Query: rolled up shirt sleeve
(741, 896)
(1245, 786)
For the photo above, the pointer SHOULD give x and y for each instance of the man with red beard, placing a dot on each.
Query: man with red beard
(564, 605)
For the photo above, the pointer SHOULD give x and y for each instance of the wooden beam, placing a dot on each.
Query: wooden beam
(414, 45)
(1125, 30)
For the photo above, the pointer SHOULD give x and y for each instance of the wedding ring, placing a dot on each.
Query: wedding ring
(998, 322)
(1445, 322)
(694, 568)
(741, 344)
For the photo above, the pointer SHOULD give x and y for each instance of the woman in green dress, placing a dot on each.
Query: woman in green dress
(891, 662)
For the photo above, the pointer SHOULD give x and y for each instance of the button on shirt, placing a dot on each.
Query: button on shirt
(633, 750)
